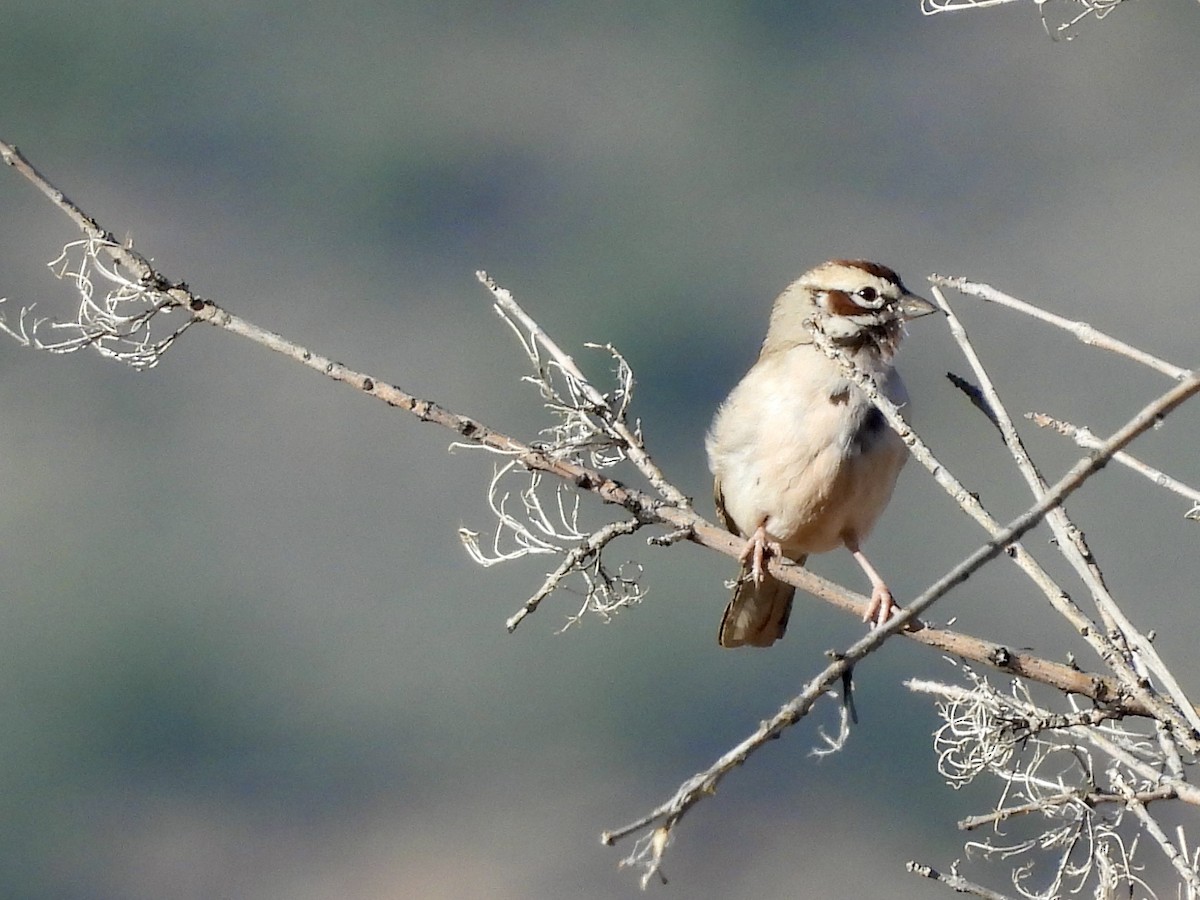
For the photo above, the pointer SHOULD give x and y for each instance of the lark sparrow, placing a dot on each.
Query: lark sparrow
(803, 461)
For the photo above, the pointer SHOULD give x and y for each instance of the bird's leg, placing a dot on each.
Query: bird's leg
(758, 548)
(882, 604)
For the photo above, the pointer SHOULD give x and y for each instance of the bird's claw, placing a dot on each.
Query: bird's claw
(882, 606)
(757, 550)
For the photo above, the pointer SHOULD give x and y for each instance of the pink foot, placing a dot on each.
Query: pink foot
(882, 606)
(758, 548)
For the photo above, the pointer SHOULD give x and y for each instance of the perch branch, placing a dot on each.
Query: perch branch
(705, 783)
(682, 523)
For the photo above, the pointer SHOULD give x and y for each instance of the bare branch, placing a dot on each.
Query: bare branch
(611, 418)
(1091, 799)
(679, 522)
(1084, 438)
(1081, 330)
(704, 783)
(953, 881)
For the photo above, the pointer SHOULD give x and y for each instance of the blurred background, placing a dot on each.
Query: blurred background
(242, 653)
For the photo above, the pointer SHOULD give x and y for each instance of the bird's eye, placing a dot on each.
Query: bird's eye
(868, 294)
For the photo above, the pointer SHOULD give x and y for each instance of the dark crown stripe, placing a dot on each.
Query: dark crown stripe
(870, 268)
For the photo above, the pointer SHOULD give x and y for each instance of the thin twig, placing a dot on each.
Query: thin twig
(1178, 860)
(632, 442)
(975, 395)
(572, 560)
(1084, 438)
(1081, 330)
(933, 7)
(954, 881)
(1039, 806)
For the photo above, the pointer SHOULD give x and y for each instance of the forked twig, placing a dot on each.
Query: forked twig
(1084, 437)
(1082, 331)
(611, 418)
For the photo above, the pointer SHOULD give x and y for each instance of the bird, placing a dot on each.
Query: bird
(802, 461)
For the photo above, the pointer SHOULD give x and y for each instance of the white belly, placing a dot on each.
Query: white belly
(790, 451)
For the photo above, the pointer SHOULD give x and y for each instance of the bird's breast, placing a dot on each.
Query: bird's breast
(799, 447)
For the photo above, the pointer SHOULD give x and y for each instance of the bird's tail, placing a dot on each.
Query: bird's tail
(757, 616)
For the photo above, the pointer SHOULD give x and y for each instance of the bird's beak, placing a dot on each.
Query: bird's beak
(913, 307)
